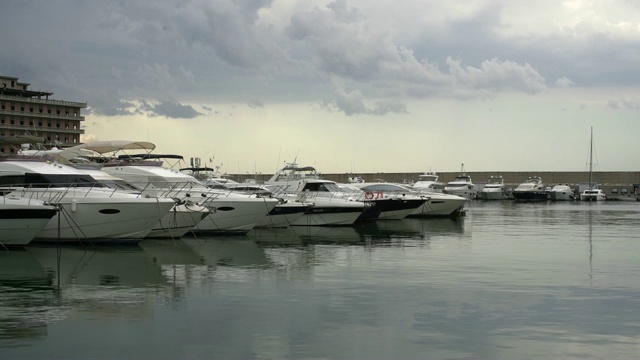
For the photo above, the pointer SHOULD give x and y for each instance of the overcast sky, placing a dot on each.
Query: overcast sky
(344, 85)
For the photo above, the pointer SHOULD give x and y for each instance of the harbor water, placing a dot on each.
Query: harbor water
(507, 281)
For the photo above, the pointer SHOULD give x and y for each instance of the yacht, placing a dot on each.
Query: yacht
(428, 181)
(462, 186)
(593, 193)
(22, 219)
(531, 190)
(285, 213)
(229, 212)
(330, 205)
(89, 211)
(437, 204)
(494, 189)
(561, 192)
(399, 204)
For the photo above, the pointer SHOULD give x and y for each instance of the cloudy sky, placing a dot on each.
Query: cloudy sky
(344, 85)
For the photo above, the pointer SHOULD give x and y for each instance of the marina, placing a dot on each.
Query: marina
(509, 280)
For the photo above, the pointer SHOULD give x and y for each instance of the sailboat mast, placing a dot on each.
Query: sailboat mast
(591, 160)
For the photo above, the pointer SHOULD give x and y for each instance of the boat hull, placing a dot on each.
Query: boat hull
(19, 224)
(537, 195)
(234, 215)
(179, 221)
(494, 195)
(440, 205)
(283, 215)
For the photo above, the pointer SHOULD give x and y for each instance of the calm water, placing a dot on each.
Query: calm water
(509, 281)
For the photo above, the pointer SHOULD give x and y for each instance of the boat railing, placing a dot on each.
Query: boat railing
(55, 192)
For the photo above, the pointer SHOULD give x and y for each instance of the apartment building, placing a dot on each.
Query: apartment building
(23, 111)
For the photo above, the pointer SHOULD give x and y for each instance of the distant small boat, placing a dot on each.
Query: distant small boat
(531, 190)
(494, 189)
(428, 181)
(462, 186)
(592, 193)
(562, 192)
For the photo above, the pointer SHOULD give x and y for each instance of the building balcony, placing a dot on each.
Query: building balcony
(43, 101)
(40, 115)
(32, 129)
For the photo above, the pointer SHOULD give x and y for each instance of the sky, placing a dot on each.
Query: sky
(346, 86)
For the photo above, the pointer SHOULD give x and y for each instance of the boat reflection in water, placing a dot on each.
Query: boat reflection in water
(24, 286)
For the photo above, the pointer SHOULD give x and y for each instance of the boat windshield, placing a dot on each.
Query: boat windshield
(50, 180)
(322, 187)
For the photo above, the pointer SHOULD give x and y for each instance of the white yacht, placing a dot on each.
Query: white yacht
(462, 186)
(399, 204)
(428, 181)
(229, 212)
(437, 204)
(593, 193)
(531, 190)
(181, 219)
(494, 189)
(89, 211)
(561, 192)
(22, 219)
(330, 205)
(285, 213)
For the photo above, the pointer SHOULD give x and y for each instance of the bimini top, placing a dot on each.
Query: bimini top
(102, 147)
(150, 156)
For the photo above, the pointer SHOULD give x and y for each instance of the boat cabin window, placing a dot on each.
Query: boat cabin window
(49, 180)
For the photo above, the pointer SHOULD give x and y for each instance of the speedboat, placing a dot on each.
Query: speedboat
(561, 192)
(330, 205)
(531, 190)
(285, 213)
(401, 203)
(89, 211)
(229, 212)
(462, 186)
(428, 181)
(437, 204)
(22, 219)
(593, 195)
(494, 189)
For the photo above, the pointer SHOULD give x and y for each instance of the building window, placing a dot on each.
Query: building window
(31, 109)
(12, 121)
(49, 123)
(40, 109)
(58, 111)
(21, 108)
(49, 111)
(21, 122)
(40, 123)
(30, 122)
(13, 107)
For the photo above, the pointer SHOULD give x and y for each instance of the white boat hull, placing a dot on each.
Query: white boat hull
(561, 195)
(178, 221)
(104, 220)
(468, 194)
(441, 205)
(283, 215)
(21, 220)
(491, 194)
(234, 214)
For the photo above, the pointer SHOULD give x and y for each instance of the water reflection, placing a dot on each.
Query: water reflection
(26, 296)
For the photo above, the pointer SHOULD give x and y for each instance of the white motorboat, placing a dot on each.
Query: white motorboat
(531, 190)
(437, 204)
(22, 219)
(592, 193)
(229, 212)
(428, 181)
(181, 219)
(494, 189)
(89, 211)
(462, 186)
(561, 192)
(284, 214)
(330, 205)
(401, 202)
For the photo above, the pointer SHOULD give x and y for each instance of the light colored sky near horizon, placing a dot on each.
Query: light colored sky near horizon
(344, 85)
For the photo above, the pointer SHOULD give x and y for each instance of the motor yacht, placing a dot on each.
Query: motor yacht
(89, 211)
(561, 192)
(494, 189)
(428, 181)
(400, 202)
(462, 186)
(229, 212)
(437, 204)
(330, 205)
(22, 219)
(593, 195)
(531, 190)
